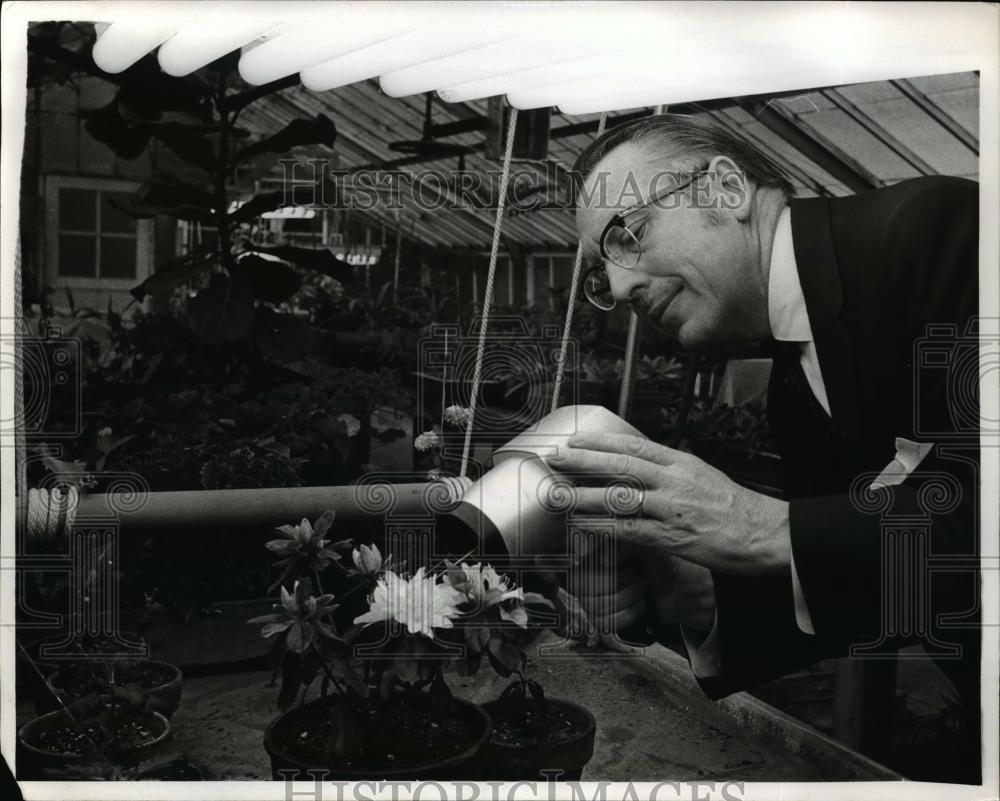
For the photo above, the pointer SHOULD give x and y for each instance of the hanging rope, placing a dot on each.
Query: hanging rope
(488, 297)
(573, 287)
(20, 330)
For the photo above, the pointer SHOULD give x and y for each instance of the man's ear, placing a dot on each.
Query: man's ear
(732, 188)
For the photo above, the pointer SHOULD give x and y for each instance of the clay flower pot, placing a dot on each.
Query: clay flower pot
(161, 681)
(419, 750)
(56, 743)
(533, 746)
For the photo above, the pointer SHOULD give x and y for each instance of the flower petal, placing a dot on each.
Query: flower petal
(275, 628)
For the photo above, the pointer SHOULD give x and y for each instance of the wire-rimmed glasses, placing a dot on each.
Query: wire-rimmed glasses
(620, 245)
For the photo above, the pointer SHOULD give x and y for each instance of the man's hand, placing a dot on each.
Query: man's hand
(622, 585)
(690, 510)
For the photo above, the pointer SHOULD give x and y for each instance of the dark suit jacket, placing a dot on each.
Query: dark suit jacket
(876, 270)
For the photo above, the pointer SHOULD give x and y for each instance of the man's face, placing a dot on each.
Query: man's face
(699, 275)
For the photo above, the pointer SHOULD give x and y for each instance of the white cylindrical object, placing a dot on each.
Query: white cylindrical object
(203, 41)
(521, 501)
(344, 29)
(520, 51)
(126, 41)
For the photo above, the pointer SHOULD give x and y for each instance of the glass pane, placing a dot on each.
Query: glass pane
(112, 220)
(77, 209)
(77, 255)
(117, 257)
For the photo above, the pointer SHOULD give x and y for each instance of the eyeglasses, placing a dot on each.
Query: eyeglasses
(621, 245)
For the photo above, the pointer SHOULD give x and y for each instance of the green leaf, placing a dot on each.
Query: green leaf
(498, 665)
(317, 131)
(222, 311)
(275, 628)
(318, 260)
(237, 102)
(108, 127)
(300, 637)
(272, 618)
(502, 652)
(174, 273)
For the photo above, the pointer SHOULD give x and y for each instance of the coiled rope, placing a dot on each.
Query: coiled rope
(51, 511)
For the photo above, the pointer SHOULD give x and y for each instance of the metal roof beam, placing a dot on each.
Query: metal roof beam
(876, 130)
(938, 114)
(837, 164)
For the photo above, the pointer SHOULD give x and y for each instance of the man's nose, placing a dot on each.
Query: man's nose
(626, 285)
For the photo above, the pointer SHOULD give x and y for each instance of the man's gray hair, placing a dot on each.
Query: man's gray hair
(692, 140)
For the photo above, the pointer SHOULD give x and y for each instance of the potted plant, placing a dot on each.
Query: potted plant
(384, 708)
(159, 682)
(533, 737)
(111, 724)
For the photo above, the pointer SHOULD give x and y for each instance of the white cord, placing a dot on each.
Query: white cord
(50, 513)
(488, 299)
(573, 287)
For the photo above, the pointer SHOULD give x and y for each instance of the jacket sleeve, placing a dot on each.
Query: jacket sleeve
(869, 578)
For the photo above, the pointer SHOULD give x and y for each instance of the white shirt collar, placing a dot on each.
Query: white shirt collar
(786, 305)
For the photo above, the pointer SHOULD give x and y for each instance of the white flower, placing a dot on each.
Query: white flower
(485, 588)
(457, 415)
(351, 423)
(368, 559)
(426, 441)
(421, 603)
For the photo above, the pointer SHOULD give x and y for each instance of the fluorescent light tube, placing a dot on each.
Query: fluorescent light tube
(413, 47)
(123, 43)
(518, 53)
(203, 41)
(344, 29)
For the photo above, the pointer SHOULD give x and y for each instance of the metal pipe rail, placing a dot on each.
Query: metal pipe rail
(161, 511)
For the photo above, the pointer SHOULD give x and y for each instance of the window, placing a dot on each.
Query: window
(90, 242)
(551, 271)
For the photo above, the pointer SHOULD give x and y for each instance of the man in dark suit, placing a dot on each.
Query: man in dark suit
(875, 544)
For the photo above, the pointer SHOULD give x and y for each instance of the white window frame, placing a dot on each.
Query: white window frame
(143, 234)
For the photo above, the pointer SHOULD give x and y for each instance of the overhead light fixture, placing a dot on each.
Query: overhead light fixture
(203, 41)
(519, 52)
(124, 42)
(412, 47)
(590, 68)
(342, 30)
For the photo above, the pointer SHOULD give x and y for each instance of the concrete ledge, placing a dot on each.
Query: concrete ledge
(781, 729)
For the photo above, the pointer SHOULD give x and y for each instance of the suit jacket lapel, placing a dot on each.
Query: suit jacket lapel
(819, 275)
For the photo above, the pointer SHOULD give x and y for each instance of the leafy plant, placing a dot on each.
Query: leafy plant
(385, 637)
(197, 119)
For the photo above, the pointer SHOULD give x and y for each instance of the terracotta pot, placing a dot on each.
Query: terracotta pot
(165, 697)
(33, 759)
(283, 733)
(537, 762)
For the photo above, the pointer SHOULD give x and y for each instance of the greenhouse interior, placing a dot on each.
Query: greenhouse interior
(388, 405)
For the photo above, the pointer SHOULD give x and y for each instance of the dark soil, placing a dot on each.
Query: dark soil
(392, 737)
(123, 733)
(83, 678)
(530, 726)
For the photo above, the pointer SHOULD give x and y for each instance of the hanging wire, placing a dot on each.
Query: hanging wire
(488, 296)
(573, 287)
